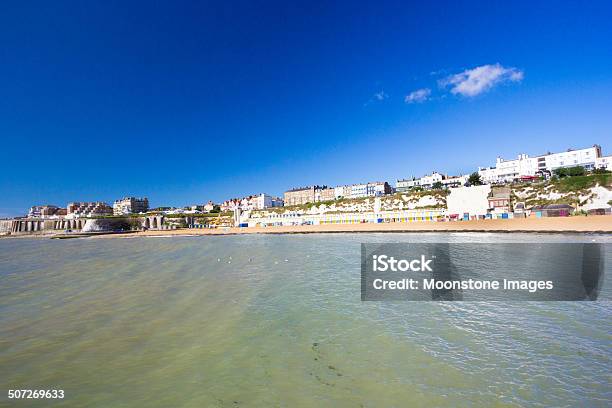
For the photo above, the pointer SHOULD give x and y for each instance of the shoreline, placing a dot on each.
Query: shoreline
(587, 225)
(579, 225)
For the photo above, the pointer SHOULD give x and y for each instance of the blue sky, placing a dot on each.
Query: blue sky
(189, 101)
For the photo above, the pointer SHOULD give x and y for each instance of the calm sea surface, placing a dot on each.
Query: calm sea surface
(264, 321)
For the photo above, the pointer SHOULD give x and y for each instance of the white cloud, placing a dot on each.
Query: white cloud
(377, 97)
(475, 81)
(380, 96)
(418, 96)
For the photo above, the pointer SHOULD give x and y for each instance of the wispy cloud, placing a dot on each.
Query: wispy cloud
(418, 96)
(475, 81)
(380, 96)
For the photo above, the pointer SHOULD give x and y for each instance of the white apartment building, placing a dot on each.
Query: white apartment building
(374, 189)
(254, 202)
(405, 184)
(262, 201)
(93, 209)
(130, 205)
(523, 165)
(342, 192)
(604, 162)
(455, 181)
(429, 180)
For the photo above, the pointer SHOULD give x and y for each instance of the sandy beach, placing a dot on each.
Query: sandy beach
(593, 224)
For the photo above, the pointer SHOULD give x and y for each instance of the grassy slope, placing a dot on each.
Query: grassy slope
(572, 189)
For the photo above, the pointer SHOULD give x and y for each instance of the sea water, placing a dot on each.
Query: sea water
(277, 320)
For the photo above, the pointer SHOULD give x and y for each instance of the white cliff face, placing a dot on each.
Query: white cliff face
(594, 197)
(425, 201)
(599, 198)
(388, 203)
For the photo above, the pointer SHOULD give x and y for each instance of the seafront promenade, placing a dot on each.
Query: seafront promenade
(594, 224)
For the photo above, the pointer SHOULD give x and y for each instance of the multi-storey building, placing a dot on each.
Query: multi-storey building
(77, 210)
(35, 211)
(582, 157)
(46, 211)
(51, 211)
(604, 162)
(342, 192)
(455, 181)
(261, 201)
(209, 206)
(311, 194)
(277, 202)
(253, 202)
(325, 194)
(374, 189)
(403, 185)
(130, 205)
(499, 199)
(525, 166)
(300, 195)
(429, 180)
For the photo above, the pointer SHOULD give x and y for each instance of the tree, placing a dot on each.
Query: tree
(601, 170)
(437, 185)
(569, 171)
(474, 179)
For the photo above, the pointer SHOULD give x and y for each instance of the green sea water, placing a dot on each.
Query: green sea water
(268, 321)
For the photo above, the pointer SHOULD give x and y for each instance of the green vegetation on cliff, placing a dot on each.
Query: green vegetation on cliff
(572, 190)
(581, 183)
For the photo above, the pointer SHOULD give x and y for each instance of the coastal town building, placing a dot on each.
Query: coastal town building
(374, 189)
(455, 181)
(208, 207)
(252, 202)
(428, 181)
(300, 195)
(34, 211)
(342, 192)
(325, 194)
(310, 194)
(424, 182)
(604, 163)
(403, 185)
(130, 205)
(525, 166)
(499, 200)
(277, 202)
(46, 211)
(88, 209)
(51, 211)
(261, 201)
(230, 205)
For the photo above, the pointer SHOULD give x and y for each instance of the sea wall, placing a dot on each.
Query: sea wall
(29, 226)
